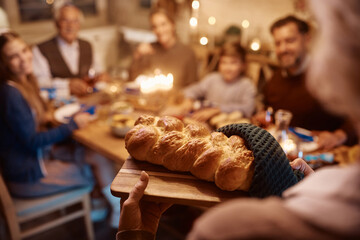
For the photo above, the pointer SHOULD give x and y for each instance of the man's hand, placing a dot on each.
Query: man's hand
(103, 77)
(300, 164)
(78, 86)
(328, 140)
(140, 215)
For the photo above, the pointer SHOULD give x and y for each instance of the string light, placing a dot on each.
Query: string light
(195, 4)
(255, 45)
(193, 22)
(245, 23)
(204, 41)
(212, 20)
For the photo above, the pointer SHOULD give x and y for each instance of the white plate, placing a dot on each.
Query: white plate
(63, 113)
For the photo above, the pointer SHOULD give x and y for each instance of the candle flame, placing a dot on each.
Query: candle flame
(159, 82)
(288, 145)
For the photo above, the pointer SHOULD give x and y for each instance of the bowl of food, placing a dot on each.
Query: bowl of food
(121, 124)
(121, 107)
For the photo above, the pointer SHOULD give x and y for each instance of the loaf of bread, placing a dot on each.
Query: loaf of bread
(209, 156)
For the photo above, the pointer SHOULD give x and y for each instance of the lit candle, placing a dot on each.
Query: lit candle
(288, 146)
(159, 82)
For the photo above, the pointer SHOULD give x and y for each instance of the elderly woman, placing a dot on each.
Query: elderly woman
(167, 54)
(325, 205)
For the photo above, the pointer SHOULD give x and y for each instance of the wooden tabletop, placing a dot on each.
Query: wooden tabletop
(99, 138)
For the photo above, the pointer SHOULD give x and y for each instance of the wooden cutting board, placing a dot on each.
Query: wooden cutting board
(169, 186)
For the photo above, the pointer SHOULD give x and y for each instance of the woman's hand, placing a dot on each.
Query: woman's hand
(300, 164)
(140, 215)
(143, 49)
(82, 119)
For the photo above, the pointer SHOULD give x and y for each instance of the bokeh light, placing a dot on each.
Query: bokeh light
(245, 23)
(204, 41)
(193, 22)
(212, 20)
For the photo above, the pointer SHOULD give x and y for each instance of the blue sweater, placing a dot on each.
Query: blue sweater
(19, 140)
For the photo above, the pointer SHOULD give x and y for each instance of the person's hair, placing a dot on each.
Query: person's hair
(233, 49)
(336, 56)
(5, 72)
(302, 26)
(30, 89)
(163, 11)
(58, 11)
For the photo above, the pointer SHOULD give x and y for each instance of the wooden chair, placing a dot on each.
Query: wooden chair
(18, 212)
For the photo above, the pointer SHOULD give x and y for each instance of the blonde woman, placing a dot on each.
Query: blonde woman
(22, 115)
(23, 137)
(168, 54)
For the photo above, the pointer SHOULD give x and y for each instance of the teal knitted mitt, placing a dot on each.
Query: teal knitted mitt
(272, 173)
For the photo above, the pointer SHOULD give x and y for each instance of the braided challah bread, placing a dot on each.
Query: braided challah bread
(208, 156)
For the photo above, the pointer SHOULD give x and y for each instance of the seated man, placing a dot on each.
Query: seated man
(65, 59)
(287, 88)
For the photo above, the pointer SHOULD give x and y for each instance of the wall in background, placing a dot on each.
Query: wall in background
(260, 14)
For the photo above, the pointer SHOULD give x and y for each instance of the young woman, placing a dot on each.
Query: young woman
(167, 54)
(23, 138)
(22, 117)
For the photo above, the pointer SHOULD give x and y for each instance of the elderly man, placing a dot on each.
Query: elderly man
(65, 60)
(287, 87)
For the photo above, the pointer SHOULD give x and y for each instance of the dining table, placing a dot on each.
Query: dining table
(98, 137)
(175, 187)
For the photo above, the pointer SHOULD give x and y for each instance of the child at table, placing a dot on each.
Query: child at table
(226, 90)
(23, 138)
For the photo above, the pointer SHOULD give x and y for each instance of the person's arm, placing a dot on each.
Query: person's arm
(21, 122)
(141, 61)
(328, 140)
(41, 70)
(244, 101)
(197, 90)
(99, 67)
(43, 75)
(139, 219)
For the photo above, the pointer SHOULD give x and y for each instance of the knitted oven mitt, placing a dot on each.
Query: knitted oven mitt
(273, 173)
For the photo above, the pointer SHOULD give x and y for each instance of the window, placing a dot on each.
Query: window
(36, 10)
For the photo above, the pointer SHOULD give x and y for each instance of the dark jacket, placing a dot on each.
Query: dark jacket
(19, 140)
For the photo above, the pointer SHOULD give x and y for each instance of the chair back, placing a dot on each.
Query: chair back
(20, 211)
(8, 209)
